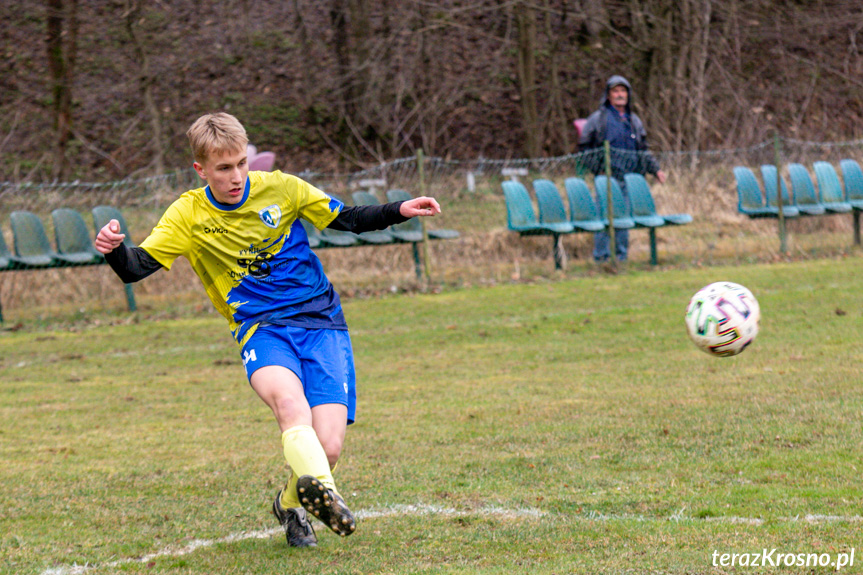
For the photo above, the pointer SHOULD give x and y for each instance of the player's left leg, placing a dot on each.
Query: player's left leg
(330, 387)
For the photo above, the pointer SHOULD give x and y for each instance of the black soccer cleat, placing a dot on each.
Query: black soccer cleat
(326, 505)
(298, 529)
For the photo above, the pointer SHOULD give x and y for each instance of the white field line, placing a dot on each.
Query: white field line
(420, 510)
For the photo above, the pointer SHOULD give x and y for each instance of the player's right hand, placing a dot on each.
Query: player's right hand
(109, 237)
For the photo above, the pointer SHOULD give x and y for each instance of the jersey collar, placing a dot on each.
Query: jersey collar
(228, 207)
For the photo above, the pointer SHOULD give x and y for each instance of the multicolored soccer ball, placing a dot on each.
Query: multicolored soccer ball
(722, 318)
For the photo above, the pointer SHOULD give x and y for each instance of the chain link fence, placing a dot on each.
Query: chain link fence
(700, 183)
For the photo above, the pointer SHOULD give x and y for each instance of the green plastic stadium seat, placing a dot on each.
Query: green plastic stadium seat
(32, 248)
(551, 210)
(749, 199)
(315, 239)
(830, 189)
(582, 208)
(853, 176)
(414, 224)
(73, 241)
(395, 233)
(641, 202)
(375, 237)
(622, 213)
(338, 238)
(805, 198)
(770, 177)
(520, 216)
(644, 208)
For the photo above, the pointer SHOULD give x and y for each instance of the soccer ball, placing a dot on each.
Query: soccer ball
(722, 318)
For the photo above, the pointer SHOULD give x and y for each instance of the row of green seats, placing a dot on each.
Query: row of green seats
(406, 232)
(587, 213)
(31, 248)
(802, 198)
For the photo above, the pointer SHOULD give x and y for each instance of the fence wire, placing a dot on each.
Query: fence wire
(700, 183)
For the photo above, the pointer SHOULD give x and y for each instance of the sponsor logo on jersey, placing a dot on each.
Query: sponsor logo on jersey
(271, 216)
(215, 230)
(259, 267)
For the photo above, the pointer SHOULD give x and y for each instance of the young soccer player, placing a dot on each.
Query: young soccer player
(243, 236)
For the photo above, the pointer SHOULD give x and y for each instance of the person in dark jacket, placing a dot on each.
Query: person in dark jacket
(614, 121)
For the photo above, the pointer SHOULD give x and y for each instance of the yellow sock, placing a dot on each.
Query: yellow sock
(289, 493)
(305, 456)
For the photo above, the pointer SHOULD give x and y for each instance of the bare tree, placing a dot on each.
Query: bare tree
(525, 15)
(146, 83)
(62, 45)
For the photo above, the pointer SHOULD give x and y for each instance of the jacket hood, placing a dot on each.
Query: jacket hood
(617, 81)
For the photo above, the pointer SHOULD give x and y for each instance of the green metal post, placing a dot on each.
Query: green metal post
(610, 210)
(854, 216)
(130, 297)
(418, 266)
(653, 259)
(783, 237)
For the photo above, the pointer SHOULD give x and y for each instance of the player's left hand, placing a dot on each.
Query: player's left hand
(421, 206)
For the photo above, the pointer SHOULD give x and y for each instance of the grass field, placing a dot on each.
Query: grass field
(556, 427)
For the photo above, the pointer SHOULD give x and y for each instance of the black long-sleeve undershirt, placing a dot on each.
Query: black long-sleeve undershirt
(360, 219)
(134, 264)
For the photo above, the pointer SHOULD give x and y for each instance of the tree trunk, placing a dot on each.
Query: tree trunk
(61, 62)
(341, 47)
(526, 22)
(146, 81)
(560, 125)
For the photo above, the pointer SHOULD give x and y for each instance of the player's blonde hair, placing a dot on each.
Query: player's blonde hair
(219, 132)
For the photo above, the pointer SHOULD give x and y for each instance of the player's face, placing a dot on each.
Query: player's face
(226, 174)
(619, 96)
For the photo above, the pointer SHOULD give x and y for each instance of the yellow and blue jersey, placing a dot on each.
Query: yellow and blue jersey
(253, 257)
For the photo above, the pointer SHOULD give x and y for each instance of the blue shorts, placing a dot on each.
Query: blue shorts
(321, 358)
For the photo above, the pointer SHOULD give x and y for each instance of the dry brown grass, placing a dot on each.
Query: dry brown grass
(486, 252)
